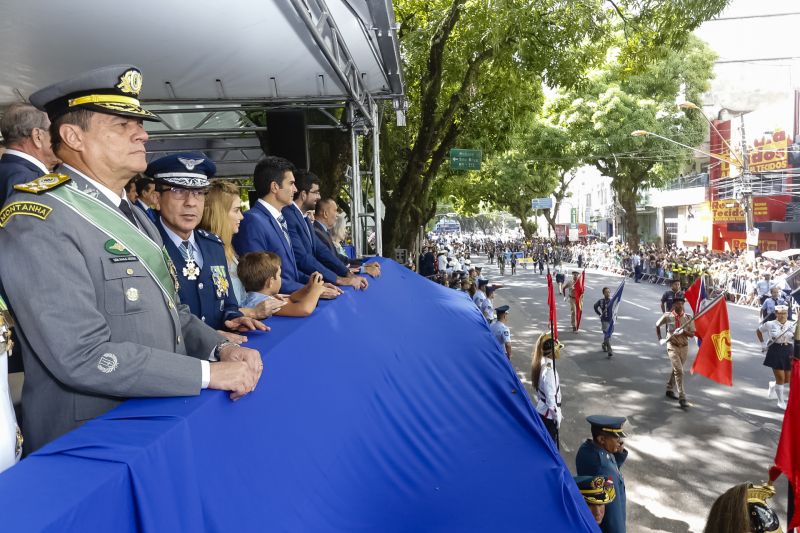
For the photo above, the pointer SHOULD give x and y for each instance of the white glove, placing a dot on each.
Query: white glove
(678, 331)
(662, 342)
(559, 418)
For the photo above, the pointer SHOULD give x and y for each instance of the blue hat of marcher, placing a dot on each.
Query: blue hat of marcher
(609, 424)
(113, 90)
(188, 170)
(501, 309)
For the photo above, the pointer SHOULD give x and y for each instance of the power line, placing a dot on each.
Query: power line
(759, 16)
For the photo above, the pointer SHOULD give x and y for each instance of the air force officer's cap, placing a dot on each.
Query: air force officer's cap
(188, 170)
(609, 424)
(113, 90)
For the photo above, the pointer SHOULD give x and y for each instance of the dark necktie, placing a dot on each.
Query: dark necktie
(284, 227)
(125, 207)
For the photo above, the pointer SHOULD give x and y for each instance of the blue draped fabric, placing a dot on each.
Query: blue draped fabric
(388, 410)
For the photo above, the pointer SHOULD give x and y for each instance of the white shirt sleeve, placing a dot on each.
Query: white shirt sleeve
(205, 368)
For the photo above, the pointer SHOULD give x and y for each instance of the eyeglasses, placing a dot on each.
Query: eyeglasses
(181, 193)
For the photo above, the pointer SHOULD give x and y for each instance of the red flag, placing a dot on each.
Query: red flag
(714, 356)
(787, 458)
(696, 294)
(579, 289)
(551, 304)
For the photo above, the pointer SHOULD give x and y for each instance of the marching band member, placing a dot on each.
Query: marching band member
(777, 342)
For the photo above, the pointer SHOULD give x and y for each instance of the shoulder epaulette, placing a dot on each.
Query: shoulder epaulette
(210, 236)
(45, 183)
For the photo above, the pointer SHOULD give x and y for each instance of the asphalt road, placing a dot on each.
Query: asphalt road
(679, 460)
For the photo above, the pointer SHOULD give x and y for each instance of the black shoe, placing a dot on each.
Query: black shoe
(683, 403)
(610, 353)
(672, 395)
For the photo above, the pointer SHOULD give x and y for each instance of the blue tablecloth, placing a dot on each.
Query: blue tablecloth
(388, 410)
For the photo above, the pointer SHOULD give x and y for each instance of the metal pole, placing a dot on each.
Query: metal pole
(355, 215)
(376, 180)
(746, 197)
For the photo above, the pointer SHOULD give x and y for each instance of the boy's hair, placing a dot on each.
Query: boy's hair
(256, 268)
(605, 289)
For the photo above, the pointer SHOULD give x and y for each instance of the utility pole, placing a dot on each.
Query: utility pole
(746, 192)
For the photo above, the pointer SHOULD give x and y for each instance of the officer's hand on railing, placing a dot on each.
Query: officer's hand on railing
(266, 309)
(237, 377)
(244, 323)
(232, 337)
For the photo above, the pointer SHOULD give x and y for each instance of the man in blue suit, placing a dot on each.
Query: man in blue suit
(29, 153)
(146, 196)
(199, 256)
(264, 227)
(311, 254)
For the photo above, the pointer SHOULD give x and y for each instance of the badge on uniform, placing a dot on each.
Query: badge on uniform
(173, 272)
(115, 247)
(220, 278)
(191, 270)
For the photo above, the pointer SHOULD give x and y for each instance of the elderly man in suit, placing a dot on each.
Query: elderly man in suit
(264, 227)
(94, 297)
(28, 153)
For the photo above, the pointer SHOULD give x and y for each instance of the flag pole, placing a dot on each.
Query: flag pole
(698, 315)
(550, 290)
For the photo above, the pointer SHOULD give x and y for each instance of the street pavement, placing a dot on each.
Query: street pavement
(679, 460)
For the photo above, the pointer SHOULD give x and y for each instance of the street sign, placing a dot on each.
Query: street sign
(461, 159)
(542, 203)
(573, 215)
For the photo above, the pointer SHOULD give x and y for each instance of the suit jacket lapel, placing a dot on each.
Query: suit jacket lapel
(277, 228)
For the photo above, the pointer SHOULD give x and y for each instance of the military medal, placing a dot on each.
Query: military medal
(191, 270)
(220, 279)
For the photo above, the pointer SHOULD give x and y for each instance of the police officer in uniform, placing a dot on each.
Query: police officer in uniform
(85, 277)
(500, 330)
(199, 256)
(603, 455)
(777, 342)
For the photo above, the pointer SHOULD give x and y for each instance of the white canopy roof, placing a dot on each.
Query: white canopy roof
(207, 51)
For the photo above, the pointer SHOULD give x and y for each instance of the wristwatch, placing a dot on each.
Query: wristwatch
(221, 346)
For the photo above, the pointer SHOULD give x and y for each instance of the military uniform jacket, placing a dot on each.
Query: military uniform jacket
(592, 460)
(86, 345)
(210, 296)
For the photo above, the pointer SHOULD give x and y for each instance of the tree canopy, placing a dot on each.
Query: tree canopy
(475, 71)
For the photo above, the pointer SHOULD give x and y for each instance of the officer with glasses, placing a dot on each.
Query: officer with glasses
(198, 255)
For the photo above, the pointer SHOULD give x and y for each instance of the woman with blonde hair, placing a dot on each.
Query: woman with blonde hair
(547, 384)
(222, 214)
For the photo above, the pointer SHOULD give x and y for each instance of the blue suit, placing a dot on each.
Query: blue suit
(210, 297)
(311, 254)
(13, 171)
(592, 460)
(149, 211)
(260, 232)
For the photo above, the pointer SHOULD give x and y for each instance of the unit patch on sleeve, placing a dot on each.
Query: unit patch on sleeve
(31, 209)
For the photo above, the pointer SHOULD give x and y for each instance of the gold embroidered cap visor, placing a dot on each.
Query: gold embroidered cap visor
(113, 90)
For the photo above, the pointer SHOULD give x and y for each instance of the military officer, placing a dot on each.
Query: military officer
(603, 455)
(86, 278)
(199, 256)
(500, 330)
(598, 492)
(777, 342)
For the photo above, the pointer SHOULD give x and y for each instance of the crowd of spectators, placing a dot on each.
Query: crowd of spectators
(728, 272)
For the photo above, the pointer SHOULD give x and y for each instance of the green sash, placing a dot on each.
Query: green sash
(112, 222)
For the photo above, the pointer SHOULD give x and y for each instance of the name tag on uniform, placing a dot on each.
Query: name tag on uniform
(124, 259)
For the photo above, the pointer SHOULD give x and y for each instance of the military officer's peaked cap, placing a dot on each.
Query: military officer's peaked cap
(502, 309)
(596, 490)
(188, 170)
(113, 90)
(609, 424)
(483, 282)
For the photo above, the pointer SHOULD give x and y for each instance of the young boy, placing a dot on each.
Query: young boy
(260, 273)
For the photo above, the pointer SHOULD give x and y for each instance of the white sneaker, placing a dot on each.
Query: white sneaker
(771, 394)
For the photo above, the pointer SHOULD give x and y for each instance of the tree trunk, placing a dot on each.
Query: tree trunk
(628, 198)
